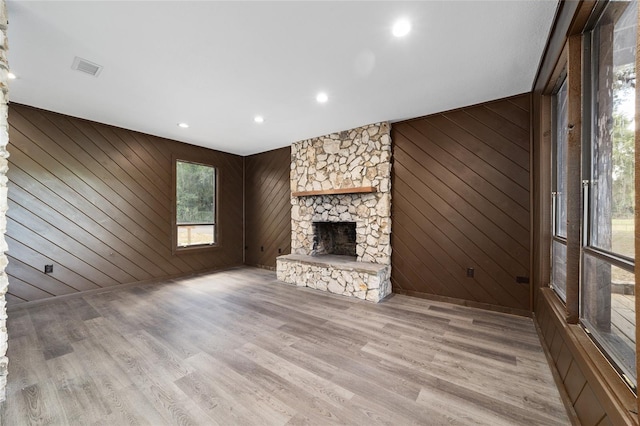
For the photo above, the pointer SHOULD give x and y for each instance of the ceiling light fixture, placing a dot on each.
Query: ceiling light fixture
(258, 119)
(183, 125)
(401, 28)
(11, 76)
(322, 97)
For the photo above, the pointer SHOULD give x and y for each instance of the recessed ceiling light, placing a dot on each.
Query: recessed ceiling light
(322, 97)
(401, 28)
(11, 76)
(183, 125)
(258, 119)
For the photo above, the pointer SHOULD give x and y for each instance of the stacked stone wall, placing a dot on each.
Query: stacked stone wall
(4, 155)
(351, 159)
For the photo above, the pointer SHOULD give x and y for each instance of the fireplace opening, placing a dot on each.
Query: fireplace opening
(338, 238)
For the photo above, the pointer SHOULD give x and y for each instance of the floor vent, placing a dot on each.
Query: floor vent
(86, 67)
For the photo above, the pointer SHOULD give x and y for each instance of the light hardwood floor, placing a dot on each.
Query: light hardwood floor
(237, 347)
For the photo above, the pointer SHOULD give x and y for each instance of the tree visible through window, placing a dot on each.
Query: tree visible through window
(195, 204)
(560, 141)
(608, 281)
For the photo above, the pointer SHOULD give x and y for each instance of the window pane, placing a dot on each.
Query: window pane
(189, 235)
(608, 311)
(195, 193)
(612, 191)
(561, 119)
(559, 269)
(195, 204)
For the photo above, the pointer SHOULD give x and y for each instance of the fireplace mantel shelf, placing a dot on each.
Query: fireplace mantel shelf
(334, 191)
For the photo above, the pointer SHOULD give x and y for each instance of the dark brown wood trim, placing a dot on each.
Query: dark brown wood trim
(574, 177)
(463, 302)
(551, 67)
(532, 200)
(560, 71)
(570, 19)
(334, 191)
(541, 190)
(555, 43)
(244, 210)
(583, 14)
(616, 398)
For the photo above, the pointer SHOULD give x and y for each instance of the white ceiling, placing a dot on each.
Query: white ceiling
(215, 65)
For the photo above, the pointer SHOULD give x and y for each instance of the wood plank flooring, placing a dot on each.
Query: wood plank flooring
(238, 347)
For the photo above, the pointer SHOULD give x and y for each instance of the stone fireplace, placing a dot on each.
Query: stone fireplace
(340, 215)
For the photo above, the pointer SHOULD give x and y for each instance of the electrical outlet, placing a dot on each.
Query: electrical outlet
(279, 251)
(470, 272)
(261, 248)
(48, 269)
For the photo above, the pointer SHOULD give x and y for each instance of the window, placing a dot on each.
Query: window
(559, 220)
(195, 200)
(612, 149)
(607, 283)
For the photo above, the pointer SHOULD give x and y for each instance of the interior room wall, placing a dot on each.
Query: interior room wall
(95, 202)
(460, 200)
(267, 207)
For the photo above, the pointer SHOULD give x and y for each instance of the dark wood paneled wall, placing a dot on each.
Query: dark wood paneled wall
(95, 201)
(461, 200)
(267, 207)
(586, 378)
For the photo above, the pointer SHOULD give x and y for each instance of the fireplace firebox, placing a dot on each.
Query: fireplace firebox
(337, 238)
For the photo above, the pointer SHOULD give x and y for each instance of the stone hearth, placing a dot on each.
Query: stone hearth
(337, 274)
(342, 177)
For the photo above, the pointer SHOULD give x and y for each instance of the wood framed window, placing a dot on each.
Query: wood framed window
(607, 292)
(592, 372)
(592, 100)
(559, 121)
(195, 206)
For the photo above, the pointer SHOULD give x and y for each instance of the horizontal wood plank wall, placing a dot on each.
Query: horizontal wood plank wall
(95, 201)
(267, 207)
(461, 200)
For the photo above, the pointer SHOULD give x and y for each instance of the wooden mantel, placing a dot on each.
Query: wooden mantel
(334, 191)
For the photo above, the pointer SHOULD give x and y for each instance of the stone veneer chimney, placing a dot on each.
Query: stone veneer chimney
(4, 155)
(342, 177)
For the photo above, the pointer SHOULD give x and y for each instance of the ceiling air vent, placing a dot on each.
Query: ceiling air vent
(86, 66)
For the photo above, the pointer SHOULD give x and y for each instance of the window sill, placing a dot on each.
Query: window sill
(195, 249)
